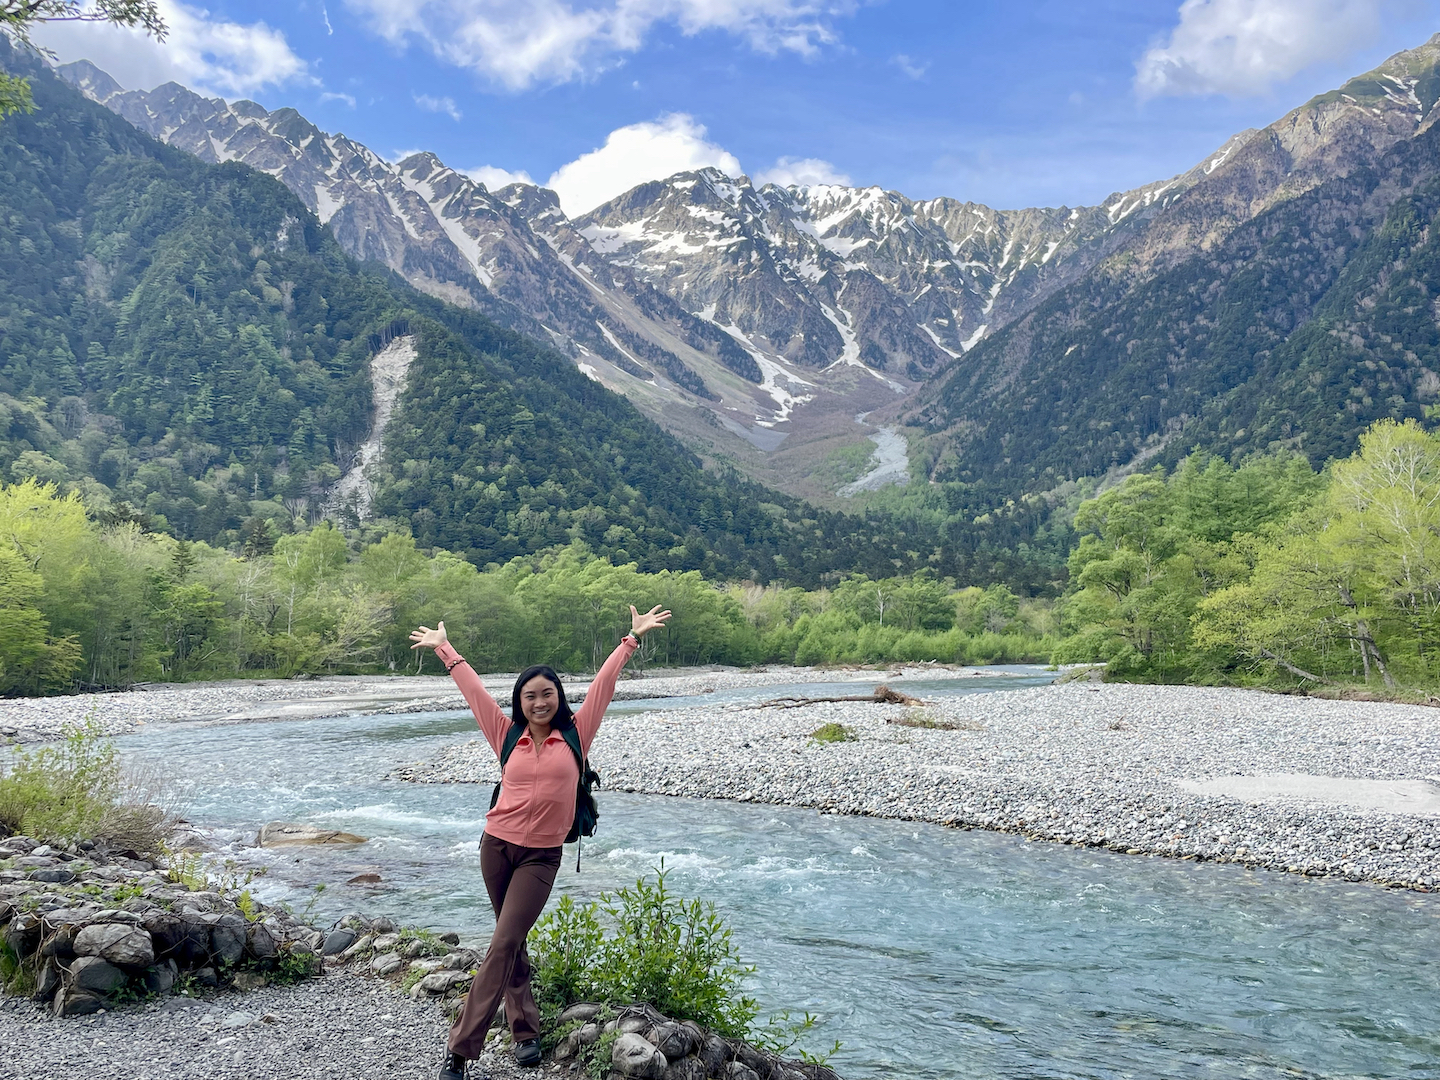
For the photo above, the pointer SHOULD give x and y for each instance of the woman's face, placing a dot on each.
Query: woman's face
(539, 700)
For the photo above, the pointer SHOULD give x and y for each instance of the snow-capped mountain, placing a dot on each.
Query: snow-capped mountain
(769, 309)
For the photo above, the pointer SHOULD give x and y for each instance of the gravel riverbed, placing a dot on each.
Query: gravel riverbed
(1296, 784)
(339, 1024)
(244, 700)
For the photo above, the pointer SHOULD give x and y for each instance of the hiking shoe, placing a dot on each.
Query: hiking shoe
(454, 1068)
(527, 1053)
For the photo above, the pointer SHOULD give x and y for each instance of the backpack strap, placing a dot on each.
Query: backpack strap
(511, 740)
(572, 738)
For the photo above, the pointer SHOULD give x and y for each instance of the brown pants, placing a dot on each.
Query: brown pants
(518, 880)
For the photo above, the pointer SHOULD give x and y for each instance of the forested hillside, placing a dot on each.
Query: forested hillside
(1300, 329)
(186, 346)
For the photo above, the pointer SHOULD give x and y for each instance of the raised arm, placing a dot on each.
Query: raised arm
(487, 712)
(602, 689)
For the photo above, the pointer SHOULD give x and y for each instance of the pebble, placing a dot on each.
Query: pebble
(1086, 764)
(308, 1029)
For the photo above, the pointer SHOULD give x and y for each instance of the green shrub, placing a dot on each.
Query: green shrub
(76, 790)
(61, 793)
(833, 732)
(674, 954)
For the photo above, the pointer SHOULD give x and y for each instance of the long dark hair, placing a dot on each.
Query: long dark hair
(564, 717)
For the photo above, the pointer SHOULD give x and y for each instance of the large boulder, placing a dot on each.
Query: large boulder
(261, 943)
(634, 1056)
(119, 943)
(337, 941)
(69, 1002)
(674, 1040)
(161, 978)
(97, 976)
(281, 833)
(440, 982)
(227, 938)
(715, 1052)
(22, 935)
(687, 1068)
(186, 940)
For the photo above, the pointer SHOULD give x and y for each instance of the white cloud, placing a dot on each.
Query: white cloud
(1243, 47)
(348, 99)
(632, 155)
(496, 178)
(802, 172)
(520, 42)
(441, 104)
(914, 69)
(205, 53)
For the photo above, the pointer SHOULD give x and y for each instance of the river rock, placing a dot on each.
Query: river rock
(439, 982)
(227, 938)
(281, 833)
(96, 975)
(584, 1010)
(688, 1068)
(70, 1002)
(674, 1041)
(47, 980)
(633, 1025)
(738, 1070)
(588, 1035)
(128, 946)
(386, 942)
(161, 978)
(22, 935)
(715, 1052)
(362, 946)
(633, 1056)
(206, 976)
(261, 942)
(383, 925)
(461, 960)
(35, 862)
(450, 937)
(337, 941)
(385, 964)
(57, 875)
(60, 944)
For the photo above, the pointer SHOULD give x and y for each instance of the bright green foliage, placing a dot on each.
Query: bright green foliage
(1152, 549)
(644, 944)
(1350, 588)
(63, 792)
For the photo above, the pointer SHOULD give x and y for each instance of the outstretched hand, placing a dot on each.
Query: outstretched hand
(642, 624)
(425, 638)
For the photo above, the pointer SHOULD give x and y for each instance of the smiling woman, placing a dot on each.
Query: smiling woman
(542, 749)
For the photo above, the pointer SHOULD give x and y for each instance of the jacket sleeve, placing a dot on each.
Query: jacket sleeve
(487, 712)
(602, 689)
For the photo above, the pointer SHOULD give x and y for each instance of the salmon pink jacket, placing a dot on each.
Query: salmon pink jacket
(537, 800)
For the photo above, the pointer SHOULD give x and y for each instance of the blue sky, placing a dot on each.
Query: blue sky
(1008, 104)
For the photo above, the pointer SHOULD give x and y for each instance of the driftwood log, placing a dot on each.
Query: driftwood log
(883, 695)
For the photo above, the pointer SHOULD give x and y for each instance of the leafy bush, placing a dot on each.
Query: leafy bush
(674, 954)
(77, 790)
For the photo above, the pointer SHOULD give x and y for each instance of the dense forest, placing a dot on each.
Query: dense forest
(1268, 572)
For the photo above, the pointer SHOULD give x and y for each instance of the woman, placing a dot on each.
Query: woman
(525, 830)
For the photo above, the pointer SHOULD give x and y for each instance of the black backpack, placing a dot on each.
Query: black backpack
(587, 814)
